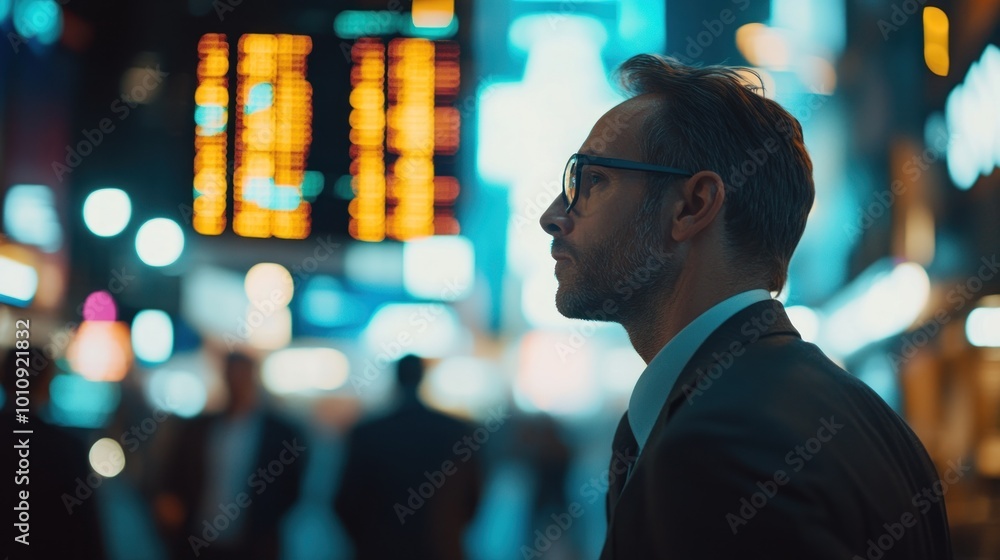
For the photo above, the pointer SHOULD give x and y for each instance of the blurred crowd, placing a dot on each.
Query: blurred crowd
(405, 482)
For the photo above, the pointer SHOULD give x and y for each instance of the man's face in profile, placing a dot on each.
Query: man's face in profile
(610, 246)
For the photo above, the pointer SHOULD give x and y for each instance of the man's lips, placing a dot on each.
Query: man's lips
(560, 252)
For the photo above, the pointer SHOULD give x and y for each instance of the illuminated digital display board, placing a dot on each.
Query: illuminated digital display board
(273, 134)
(387, 130)
(367, 119)
(402, 94)
(211, 119)
(272, 138)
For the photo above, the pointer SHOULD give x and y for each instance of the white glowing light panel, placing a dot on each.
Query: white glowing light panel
(20, 282)
(982, 327)
(295, 370)
(410, 118)
(974, 121)
(152, 336)
(440, 267)
(29, 216)
(106, 212)
(159, 242)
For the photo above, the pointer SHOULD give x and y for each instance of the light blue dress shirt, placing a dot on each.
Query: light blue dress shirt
(654, 385)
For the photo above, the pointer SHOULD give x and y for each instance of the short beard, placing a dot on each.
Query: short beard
(617, 280)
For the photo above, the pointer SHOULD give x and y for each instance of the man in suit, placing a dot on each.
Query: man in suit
(677, 220)
(233, 476)
(412, 479)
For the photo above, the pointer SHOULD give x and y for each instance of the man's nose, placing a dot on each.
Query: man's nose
(555, 220)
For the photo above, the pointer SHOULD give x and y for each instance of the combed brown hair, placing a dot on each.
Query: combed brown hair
(713, 119)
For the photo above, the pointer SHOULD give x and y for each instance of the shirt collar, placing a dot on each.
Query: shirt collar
(656, 381)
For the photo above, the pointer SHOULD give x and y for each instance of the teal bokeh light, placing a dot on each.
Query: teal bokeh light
(211, 119)
(37, 19)
(261, 97)
(4, 11)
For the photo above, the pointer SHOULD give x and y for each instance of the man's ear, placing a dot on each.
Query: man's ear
(699, 204)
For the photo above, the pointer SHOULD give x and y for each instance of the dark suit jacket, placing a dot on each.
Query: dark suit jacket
(270, 496)
(767, 449)
(395, 498)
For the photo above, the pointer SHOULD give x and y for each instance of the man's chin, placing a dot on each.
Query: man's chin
(574, 305)
(564, 304)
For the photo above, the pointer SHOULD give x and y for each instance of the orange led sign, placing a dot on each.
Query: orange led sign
(398, 126)
(273, 133)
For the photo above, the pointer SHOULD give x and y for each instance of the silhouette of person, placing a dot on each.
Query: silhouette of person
(233, 476)
(549, 457)
(412, 480)
(60, 506)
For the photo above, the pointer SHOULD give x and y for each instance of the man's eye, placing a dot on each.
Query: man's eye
(594, 179)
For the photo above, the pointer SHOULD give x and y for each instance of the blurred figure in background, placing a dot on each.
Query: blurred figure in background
(541, 445)
(410, 487)
(233, 476)
(61, 504)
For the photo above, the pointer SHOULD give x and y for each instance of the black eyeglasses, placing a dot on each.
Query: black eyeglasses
(574, 168)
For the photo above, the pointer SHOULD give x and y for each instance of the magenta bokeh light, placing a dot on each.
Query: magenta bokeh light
(100, 306)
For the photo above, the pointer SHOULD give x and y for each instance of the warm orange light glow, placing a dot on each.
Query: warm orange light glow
(445, 190)
(936, 40)
(447, 124)
(446, 224)
(211, 92)
(101, 350)
(293, 101)
(763, 46)
(447, 72)
(273, 136)
(414, 121)
(368, 124)
(433, 13)
(411, 135)
(212, 102)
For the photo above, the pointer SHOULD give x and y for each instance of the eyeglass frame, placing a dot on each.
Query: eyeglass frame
(613, 163)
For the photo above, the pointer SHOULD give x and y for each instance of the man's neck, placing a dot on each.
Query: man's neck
(665, 314)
